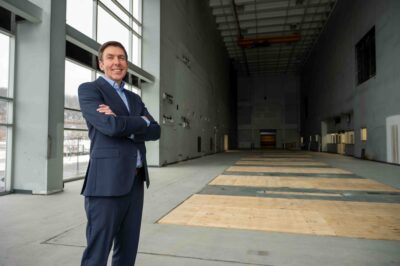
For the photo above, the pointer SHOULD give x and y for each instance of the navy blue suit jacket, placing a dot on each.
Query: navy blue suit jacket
(113, 155)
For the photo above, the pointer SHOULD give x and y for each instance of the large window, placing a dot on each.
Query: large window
(105, 20)
(366, 61)
(80, 16)
(101, 20)
(76, 141)
(6, 108)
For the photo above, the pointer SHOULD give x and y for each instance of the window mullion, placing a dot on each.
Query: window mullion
(95, 14)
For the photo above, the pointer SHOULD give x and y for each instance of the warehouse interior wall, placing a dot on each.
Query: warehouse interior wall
(268, 104)
(196, 103)
(330, 92)
(202, 105)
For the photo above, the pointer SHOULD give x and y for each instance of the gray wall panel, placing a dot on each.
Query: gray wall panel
(329, 78)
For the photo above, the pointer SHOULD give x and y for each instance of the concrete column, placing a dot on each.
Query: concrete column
(151, 63)
(39, 101)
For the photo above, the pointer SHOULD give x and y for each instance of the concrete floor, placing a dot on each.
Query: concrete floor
(49, 230)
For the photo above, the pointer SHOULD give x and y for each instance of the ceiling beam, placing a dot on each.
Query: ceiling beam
(270, 15)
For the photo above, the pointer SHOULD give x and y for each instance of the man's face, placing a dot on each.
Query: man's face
(114, 63)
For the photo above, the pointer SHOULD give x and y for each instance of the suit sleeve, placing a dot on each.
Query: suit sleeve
(114, 126)
(153, 131)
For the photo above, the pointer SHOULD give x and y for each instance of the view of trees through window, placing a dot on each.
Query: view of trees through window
(5, 102)
(76, 141)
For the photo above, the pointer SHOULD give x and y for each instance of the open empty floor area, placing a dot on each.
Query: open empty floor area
(265, 207)
(269, 129)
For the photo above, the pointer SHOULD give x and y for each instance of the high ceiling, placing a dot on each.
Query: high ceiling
(270, 36)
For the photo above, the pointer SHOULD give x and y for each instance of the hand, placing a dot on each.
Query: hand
(105, 109)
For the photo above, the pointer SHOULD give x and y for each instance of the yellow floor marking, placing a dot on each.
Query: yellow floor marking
(299, 170)
(285, 163)
(303, 182)
(316, 217)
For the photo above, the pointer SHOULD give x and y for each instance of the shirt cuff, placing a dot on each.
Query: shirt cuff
(146, 120)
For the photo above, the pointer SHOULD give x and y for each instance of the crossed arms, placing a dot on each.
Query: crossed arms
(102, 118)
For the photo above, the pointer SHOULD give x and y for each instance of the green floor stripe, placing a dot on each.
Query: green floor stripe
(345, 195)
(292, 174)
(271, 165)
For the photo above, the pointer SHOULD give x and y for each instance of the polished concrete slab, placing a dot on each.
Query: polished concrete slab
(49, 230)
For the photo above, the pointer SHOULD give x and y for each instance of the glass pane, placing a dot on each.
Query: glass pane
(3, 112)
(76, 153)
(109, 29)
(125, 3)
(117, 11)
(137, 28)
(136, 58)
(74, 119)
(74, 76)
(3, 157)
(137, 9)
(80, 15)
(4, 64)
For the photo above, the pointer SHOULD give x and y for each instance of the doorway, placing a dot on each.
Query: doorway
(226, 142)
(393, 139)
(268, 138)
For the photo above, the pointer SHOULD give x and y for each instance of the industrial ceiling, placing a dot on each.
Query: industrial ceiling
(270, 36)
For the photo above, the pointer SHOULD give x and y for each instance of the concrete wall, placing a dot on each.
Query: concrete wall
(329, 77)
(194, 73)
(268, 102)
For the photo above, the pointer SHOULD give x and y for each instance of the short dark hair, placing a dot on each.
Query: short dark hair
(111, 43)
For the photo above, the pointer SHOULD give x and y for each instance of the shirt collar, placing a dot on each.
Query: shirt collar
(114, 84)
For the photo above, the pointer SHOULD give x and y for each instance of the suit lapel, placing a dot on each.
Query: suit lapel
(116, 101)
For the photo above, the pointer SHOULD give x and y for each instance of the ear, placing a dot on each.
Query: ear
(101, 65)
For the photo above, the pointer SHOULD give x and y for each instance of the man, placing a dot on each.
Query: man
(118, 124)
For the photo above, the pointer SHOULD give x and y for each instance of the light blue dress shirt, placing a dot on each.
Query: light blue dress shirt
(120, 90)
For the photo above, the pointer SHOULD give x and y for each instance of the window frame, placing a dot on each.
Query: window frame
(133, 24)
(9, 99)
(365, 52)
(95, 73)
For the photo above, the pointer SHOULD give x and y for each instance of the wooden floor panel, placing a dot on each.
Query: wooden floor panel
(281, 163)
(280, 155)
(361, 184)
(277, 159)
(320, 213)
(317, 217)
(298, 170)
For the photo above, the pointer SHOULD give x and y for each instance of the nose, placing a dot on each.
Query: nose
(116, 60)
